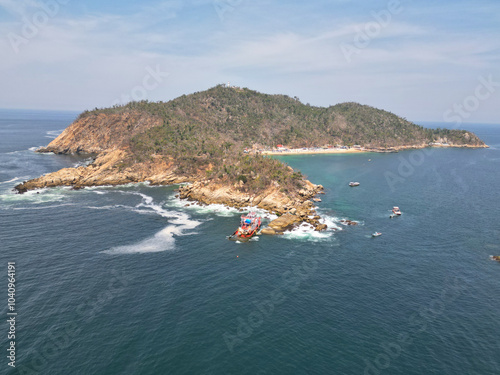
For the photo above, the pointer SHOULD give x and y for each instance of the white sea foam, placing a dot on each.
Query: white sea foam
(108, 207)
(53, 133)
(217, 209)
(13, 180)
(83, 163)
(163, 240)
(37, 196)
(43, 207)
(100, 192)
(332, 223)
(306, 232)
(303, 232)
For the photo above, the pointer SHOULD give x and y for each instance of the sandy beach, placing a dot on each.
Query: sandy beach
(300, 151)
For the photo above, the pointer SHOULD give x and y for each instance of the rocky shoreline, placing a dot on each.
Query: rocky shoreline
(290, 212)
(107, 136)
(106, 171)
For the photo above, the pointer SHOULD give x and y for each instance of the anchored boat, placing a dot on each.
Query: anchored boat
(395, 212)
(352, 184)
(249, 226)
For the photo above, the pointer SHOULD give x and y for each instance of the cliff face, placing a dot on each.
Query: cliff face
(107, 136)
(101, 132)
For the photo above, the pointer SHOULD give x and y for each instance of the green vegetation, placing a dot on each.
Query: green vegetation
(206, 132)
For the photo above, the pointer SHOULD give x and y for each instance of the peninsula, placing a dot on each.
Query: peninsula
(211, 140)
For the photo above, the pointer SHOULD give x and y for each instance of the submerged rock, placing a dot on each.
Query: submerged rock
(348, 222)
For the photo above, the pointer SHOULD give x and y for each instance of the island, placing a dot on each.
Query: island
(213, 143)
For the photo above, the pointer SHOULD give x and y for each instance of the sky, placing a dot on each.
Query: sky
(422, 60)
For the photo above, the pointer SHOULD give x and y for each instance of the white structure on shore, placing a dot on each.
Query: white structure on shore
(228, 85)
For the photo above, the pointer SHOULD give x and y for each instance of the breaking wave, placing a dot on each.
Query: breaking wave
(217, 209)
(12, 180)
(53, 133)
(306, 232)
(163, 240)
(38, 196)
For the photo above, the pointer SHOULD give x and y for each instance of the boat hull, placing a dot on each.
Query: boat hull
(250, 225)
(242, 237)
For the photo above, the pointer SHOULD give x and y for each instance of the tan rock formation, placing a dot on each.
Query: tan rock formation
(105, 170)
(101, 132)
(269, 231)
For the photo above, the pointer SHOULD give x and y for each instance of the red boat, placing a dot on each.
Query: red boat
(249, 226)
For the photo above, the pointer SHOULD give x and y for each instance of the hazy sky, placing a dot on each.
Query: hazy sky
(423, 60)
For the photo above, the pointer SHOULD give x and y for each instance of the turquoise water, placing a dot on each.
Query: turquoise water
(127, 280)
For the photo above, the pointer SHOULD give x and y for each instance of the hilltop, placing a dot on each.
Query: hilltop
(200, 138)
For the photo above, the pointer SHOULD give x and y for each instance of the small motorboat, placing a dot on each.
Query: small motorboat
(353, 184)
(396, 211)
(249, 226)
(376, 234)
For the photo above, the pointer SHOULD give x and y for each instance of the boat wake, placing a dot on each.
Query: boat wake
(164, 240)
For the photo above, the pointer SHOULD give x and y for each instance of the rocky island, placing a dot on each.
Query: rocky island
(206, 139)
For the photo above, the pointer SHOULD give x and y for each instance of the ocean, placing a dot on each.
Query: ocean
(130, 280)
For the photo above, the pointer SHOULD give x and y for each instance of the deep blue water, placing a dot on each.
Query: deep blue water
(127, 280)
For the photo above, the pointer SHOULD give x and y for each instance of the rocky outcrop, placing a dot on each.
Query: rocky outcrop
(348, 222)
(269, 231)
(290, 212)
(106, 170)
(284, 222)
(440, 143)
(96, 133)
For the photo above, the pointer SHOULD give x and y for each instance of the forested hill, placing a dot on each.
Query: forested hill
(241, 117)
(203, 135)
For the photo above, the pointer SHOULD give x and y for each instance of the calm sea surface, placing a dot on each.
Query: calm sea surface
(127, 280)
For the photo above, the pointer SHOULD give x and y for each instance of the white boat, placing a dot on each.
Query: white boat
(396, 210)
(376, 234)
(353, 183)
